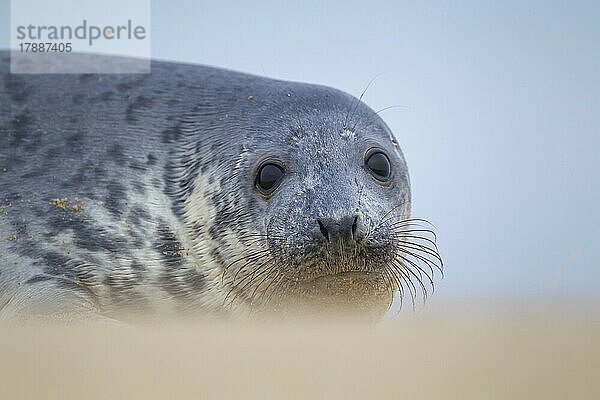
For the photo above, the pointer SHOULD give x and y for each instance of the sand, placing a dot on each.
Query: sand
(528, 356)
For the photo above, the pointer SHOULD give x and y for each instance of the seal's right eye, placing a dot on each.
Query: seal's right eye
(379, 165)
(269, 177)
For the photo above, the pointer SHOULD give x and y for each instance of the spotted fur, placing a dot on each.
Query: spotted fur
(155, 173)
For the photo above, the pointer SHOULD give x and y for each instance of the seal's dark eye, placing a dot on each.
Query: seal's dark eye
(269, 177)
(379, 165)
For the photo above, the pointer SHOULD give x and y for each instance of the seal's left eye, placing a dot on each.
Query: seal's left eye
(269, 177)
(379, 165)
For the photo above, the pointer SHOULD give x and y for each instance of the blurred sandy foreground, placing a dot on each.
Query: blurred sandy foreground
(449, 356)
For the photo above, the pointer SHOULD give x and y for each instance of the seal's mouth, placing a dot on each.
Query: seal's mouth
(346, 276)
(400, 260)
(353, 291)
(345, 283)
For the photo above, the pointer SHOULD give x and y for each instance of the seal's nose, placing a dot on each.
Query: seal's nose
(342, 230)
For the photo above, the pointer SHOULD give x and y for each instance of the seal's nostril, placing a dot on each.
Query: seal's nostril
(323, 230)
(354, 224)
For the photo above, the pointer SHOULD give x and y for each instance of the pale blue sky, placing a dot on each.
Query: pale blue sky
(500, 124)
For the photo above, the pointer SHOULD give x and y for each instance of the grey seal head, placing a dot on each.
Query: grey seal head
(197, 190)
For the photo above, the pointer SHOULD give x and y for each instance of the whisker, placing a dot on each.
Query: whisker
(248, 257)
(427, 262)
(352, 110)
(383, 220)
(390, 107)
(418, 230)
(407, 245)
(271, 269)
(254, 276)
(419, 269)
(235, 286)
(390, 283)
(419, 279)
(402, 236)
(272, 284)
(409, 285)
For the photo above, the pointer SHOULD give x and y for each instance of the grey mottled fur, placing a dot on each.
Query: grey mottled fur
(129, 151)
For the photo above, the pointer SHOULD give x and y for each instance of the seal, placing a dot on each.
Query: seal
(196, 190)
